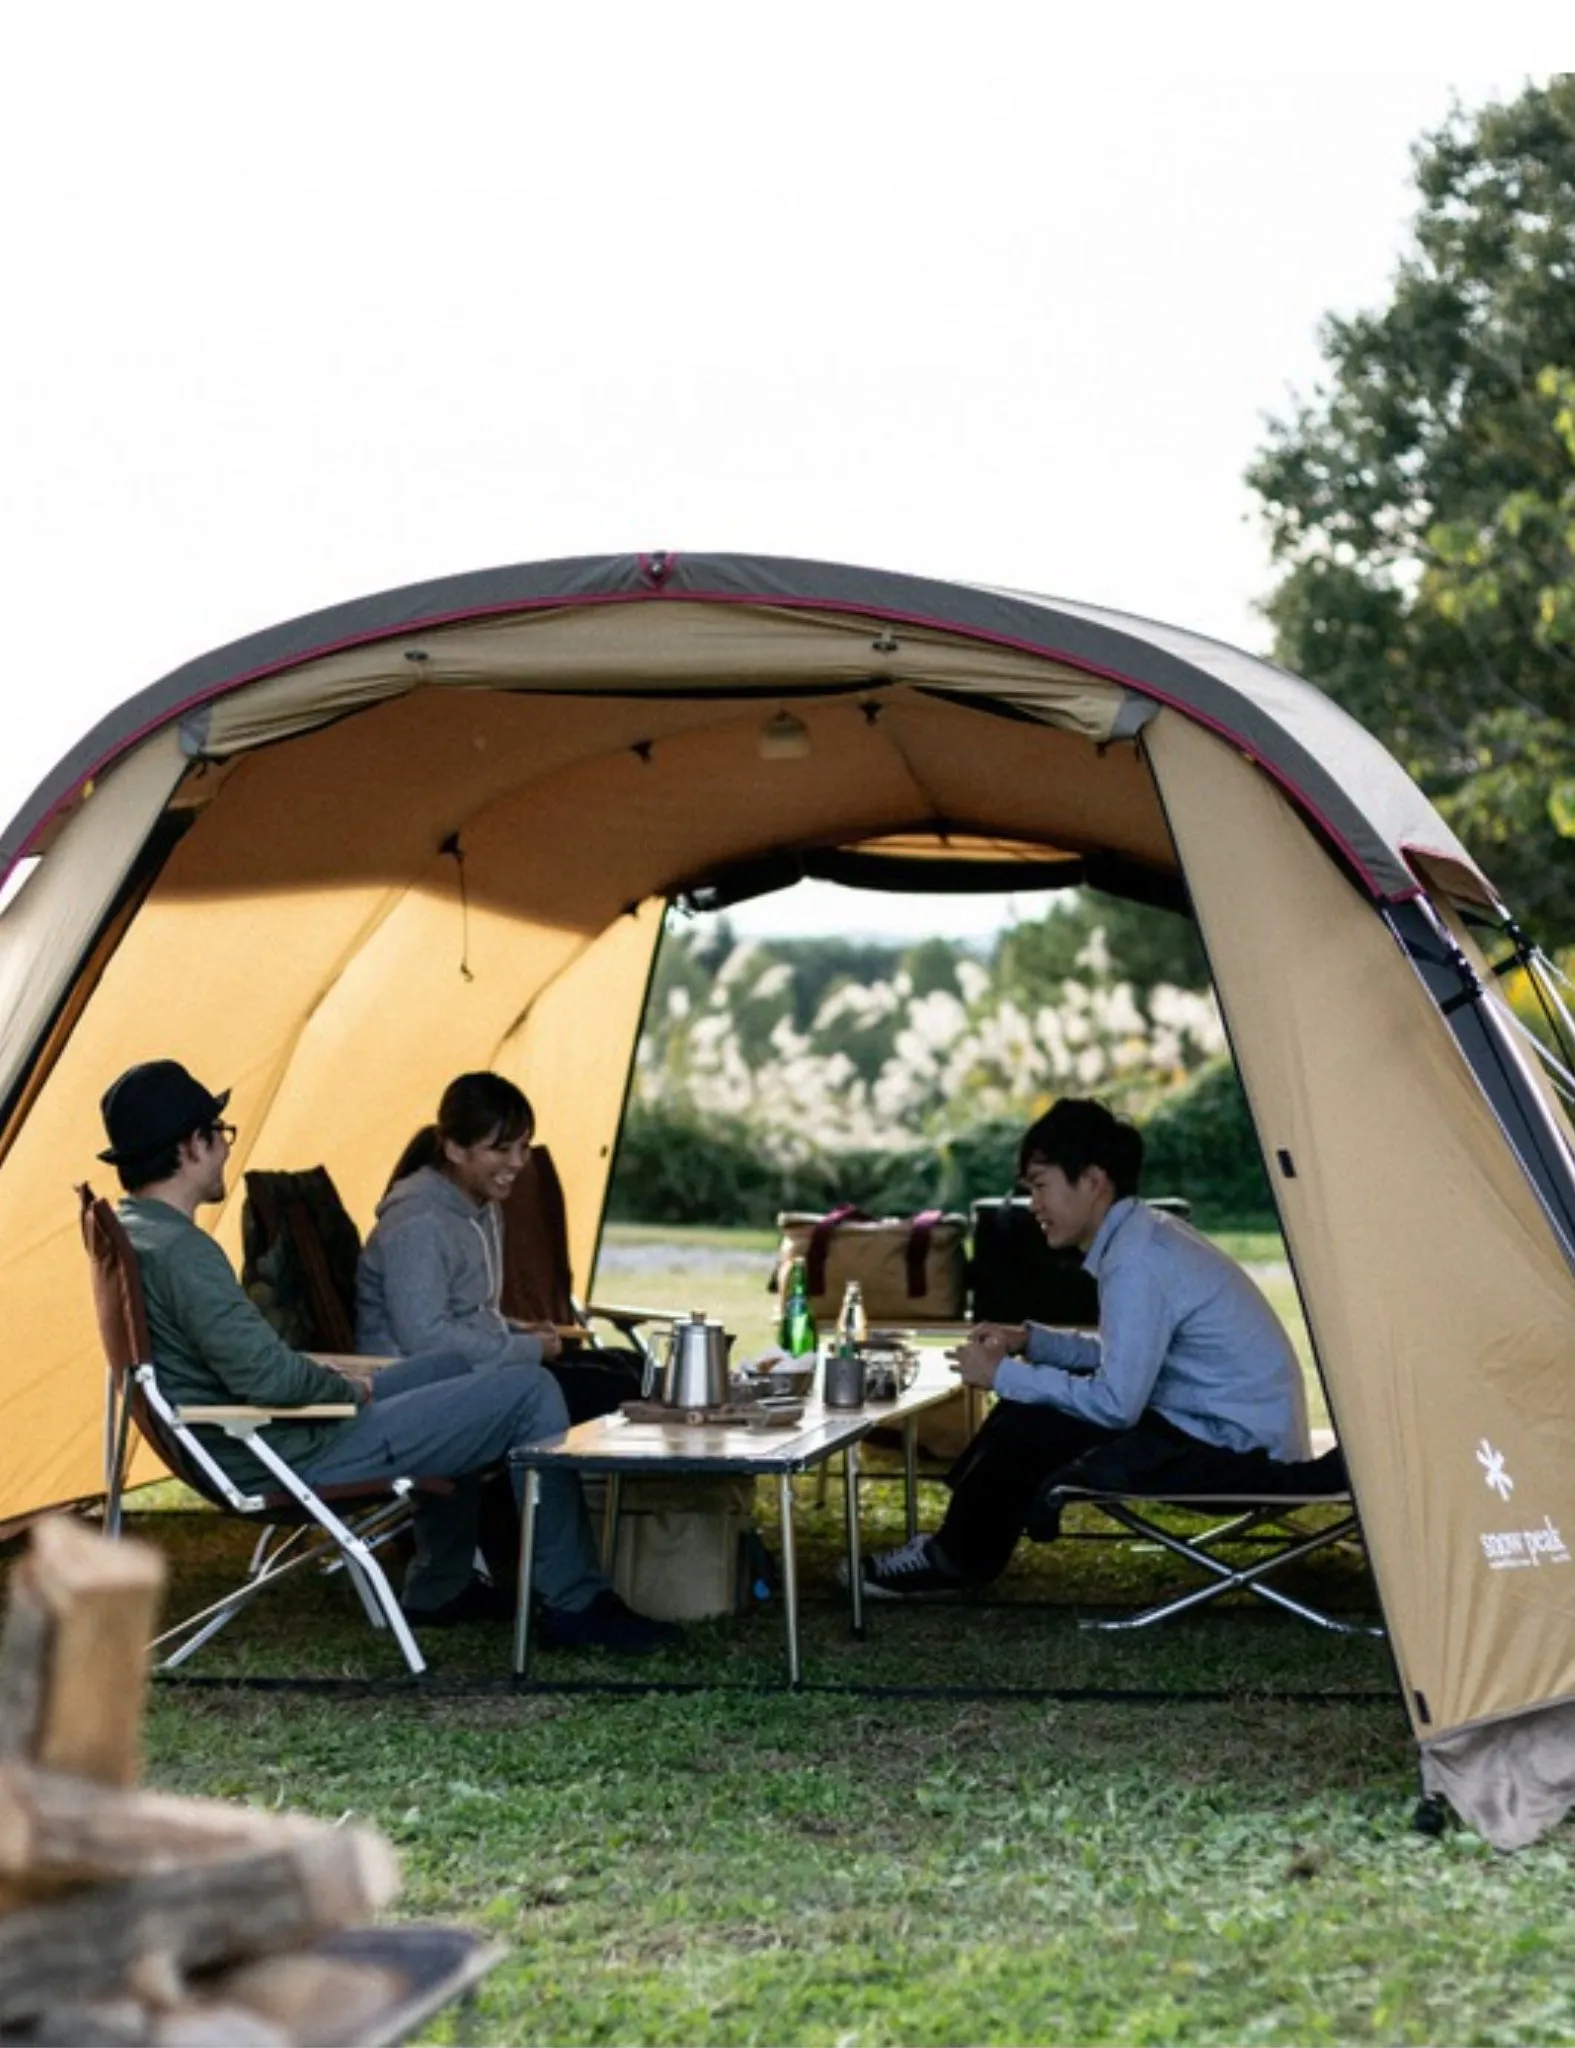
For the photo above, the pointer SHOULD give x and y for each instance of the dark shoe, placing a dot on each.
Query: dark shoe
(913, 1572)
(607, 1624)
(480, 1601)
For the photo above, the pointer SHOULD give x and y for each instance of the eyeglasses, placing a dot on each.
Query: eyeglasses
(223, 1133)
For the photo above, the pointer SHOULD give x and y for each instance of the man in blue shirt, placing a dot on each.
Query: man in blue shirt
(1191, 1367)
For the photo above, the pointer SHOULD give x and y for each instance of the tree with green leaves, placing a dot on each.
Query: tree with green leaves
(1144, 947)
(1421, 500)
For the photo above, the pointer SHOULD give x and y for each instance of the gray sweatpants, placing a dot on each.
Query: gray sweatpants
(433, 1417)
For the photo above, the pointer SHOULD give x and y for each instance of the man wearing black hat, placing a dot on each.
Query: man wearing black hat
(170, 1145)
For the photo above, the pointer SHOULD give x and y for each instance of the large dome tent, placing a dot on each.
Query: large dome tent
(332, 863)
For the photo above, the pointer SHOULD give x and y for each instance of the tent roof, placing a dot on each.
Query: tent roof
(1334, 770)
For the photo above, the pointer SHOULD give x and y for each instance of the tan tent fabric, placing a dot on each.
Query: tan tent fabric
(44, 929)
(306, 943)
(644, 649)
(1438, 1298)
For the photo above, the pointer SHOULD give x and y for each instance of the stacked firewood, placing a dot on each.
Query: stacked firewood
(135, 1917)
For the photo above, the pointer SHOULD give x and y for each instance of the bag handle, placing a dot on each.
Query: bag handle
(819, 1247)
(918, 1256)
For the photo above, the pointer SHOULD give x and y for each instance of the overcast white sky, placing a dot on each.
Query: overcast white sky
(306, 301)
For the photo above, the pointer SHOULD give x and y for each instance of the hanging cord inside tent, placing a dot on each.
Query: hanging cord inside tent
(456, 854)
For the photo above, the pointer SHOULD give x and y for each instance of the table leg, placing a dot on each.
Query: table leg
(910, 1472)
(789, 1577)
(527, 1571)
(612, 1503)
(850, 1483)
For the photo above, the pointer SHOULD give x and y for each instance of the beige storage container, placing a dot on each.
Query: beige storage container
(678, 1542)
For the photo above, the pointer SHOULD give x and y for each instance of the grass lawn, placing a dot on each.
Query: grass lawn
(1203, 1839)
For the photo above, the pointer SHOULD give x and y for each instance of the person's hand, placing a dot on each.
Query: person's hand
(979, 1360)
(362, 1385)
(1011, 1337)
(546, 1335)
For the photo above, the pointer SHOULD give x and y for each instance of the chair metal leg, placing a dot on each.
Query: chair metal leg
(280, 1551)
(1224, 1578)
(115, 1491)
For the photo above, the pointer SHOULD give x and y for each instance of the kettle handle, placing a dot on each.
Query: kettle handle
(653, 1365)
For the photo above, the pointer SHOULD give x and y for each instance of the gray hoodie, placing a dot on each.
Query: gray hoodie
(431, 1274)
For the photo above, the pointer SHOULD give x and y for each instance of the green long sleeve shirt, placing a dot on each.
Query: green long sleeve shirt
(211, 1344)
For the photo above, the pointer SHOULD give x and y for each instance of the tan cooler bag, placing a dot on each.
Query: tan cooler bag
(678, 1541)
(910, 1269)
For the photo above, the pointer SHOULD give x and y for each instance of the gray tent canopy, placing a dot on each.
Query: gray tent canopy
(276, 862)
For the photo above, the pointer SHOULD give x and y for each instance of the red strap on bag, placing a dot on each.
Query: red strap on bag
(919, 1251)
(916, 1254)
(819, 1247)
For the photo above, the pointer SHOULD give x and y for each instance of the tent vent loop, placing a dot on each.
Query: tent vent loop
(1422, 1713)
(1287, 1164)
(417, 654)
(456, 854)
(886, 643)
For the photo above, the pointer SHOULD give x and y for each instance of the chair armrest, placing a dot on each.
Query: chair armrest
(349, 1361)
(625, 1314)
(314, 1411)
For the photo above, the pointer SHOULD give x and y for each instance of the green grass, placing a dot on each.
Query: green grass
(746, 1866)
(739, 1865)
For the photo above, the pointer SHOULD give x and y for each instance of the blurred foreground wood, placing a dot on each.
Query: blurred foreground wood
(134, 1917)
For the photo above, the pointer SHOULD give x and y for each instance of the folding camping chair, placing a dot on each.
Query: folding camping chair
(299, 1247)
(538, 1278)
(1268, 1511)
(299, 1525)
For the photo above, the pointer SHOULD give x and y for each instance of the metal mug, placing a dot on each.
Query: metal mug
(842, 1384)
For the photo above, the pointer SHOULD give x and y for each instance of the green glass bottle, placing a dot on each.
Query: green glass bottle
(796, 1333)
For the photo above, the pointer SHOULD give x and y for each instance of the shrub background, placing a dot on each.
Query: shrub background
(678, 1165)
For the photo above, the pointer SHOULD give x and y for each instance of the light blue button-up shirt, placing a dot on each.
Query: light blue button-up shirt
(1182, 1329)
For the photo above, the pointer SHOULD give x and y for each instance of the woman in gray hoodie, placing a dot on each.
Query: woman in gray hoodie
(431, 1273)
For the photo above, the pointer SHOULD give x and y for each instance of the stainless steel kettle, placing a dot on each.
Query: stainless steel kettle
(694, 1372)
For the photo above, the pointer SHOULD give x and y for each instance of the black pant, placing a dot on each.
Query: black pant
(995, 1480)
(1024, 1448)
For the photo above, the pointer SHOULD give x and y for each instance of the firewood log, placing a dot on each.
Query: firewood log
(56, 1829)
(90, 1942)
(74, 1654)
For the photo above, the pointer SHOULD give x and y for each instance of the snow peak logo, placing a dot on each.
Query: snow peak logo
(1512, 1549)
(1493, 1473)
